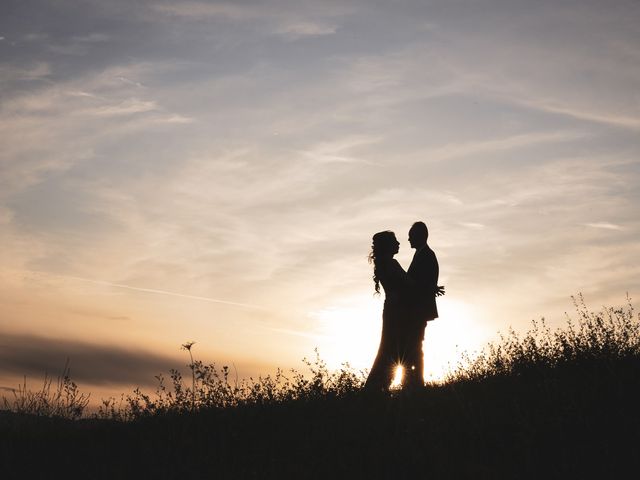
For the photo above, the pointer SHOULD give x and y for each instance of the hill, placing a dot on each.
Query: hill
(560, 404)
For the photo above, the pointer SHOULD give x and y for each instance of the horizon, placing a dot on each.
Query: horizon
(214, 172)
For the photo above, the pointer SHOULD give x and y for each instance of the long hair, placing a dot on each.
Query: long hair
(383, 245)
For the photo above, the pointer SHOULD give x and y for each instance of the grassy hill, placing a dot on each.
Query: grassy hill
(561, 404)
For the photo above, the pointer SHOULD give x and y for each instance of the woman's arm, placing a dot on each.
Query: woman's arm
(399, 276)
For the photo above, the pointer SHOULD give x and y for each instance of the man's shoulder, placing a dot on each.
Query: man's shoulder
(427, 253)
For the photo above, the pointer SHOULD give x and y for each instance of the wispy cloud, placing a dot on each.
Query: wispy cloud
(299, 333)
(306, 29)
(37, 71)
(473, 225)
(340, 151)
(163, 292)
(198, 10)
(77, 45)
(175, 118)
(582, 112)
(129, 81)
(93, 38)
(127, 107)
(291, 20)
(512, 142)
(49, 119)
(35, 37)
(604, 225)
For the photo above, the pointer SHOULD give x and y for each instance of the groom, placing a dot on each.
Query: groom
(422, 305)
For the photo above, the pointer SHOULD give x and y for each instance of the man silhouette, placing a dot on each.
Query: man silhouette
(423, 272)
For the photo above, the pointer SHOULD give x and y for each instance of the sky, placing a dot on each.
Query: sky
(214, 171)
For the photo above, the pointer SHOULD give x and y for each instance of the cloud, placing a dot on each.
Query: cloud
(164, 292)
(513, 142)
(126, 107)
(90, 363)
(93, 38)
(129, 81)
(198, 10)
(175, 118)
(473, 225)
(290, 20)
(581, 112)
(75, 49)
(78, 45)
(306, 29)
(339, 150)
(604, 225)
(37, 71)
(35, 37)
(242, 11)
(58, 126)
(297, 333)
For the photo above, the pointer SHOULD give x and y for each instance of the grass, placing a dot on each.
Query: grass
(552, 404)
(64, 401)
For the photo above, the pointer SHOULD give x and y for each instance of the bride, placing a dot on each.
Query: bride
(395, 282)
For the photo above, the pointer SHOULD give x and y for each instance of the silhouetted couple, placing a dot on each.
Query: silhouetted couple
(410, 302)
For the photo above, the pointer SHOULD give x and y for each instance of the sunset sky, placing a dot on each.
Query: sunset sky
(214, 171)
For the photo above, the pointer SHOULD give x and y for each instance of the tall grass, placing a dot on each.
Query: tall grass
(63, 399)
(596, 338)
(213, 388)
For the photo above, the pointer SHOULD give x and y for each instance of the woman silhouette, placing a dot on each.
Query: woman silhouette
(388, 272)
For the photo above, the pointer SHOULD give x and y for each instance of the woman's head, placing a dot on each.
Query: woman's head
(385, 245)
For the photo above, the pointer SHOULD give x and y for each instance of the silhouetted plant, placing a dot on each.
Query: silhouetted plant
(211, 388)
(609, 335)
(187, 346)
(65, 400)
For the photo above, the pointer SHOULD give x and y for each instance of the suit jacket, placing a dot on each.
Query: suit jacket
(424, 271)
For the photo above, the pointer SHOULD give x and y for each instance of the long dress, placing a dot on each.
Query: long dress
(390, 354)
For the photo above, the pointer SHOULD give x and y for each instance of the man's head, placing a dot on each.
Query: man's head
(418, 235)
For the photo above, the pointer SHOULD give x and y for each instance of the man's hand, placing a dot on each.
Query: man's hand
(439, 290)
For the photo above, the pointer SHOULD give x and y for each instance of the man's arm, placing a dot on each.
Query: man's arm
(431, 271)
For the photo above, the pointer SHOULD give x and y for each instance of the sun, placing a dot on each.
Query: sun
(397, 377)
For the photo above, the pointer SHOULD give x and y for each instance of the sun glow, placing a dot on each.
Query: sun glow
(349, 331)
(460, 328)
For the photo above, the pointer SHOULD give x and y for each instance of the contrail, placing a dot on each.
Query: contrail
(161, 292)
